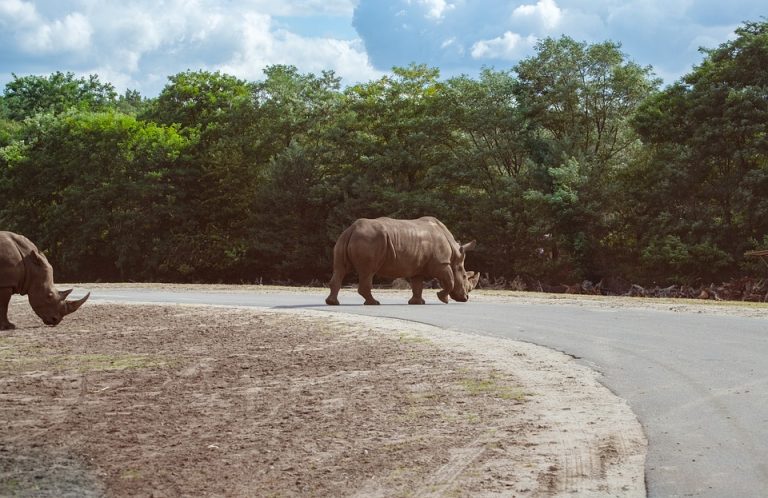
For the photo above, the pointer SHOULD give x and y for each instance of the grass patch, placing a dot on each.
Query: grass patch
(10, 487)
(413, 339)
(102, 362)
(16, 360)
(131, 474)
(492, 386)
(7, 349)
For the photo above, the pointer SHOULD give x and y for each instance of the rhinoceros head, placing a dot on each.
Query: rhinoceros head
(463, 281)
(47, 302)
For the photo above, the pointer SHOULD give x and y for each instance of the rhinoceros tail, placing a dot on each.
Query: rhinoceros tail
(340, 252)
(341, 265)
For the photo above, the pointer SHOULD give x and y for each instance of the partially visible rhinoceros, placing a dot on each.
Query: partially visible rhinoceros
(25, 270)
(413, 249)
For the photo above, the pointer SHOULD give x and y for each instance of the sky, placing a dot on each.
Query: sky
(138, 44)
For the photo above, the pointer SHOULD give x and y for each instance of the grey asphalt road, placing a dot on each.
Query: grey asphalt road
(697, 382)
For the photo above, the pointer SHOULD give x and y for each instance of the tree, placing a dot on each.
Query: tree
(395, 140)
(583, 95)
(294, 133)
(708, 156)
(499, 138)
(197, 98)
(131, 102)
(580, 97)
(29, 95)
(244, 140)
(96, 190)
(493, 150)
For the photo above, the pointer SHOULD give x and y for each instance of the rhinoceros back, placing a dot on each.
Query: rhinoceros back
(395, 248)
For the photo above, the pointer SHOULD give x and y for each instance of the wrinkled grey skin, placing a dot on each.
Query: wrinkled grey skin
(413, 249)
(25, 270)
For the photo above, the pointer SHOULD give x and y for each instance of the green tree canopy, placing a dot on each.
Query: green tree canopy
(98, 191)
(29, 95)
(708, 157)
(580, 97)
(196, 98)
(570, 165)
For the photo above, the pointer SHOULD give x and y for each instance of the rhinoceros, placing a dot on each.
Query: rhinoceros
(25, 270)
(414, 249)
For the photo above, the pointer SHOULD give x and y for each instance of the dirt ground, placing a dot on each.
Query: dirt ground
(177, 400)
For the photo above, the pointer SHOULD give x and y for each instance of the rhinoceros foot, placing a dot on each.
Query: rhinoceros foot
(372, 302)
(416, 300)
(443, 296)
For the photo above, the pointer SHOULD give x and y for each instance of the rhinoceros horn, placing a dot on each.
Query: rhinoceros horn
(71, 306)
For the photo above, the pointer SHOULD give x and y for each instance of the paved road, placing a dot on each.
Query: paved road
(697, 382)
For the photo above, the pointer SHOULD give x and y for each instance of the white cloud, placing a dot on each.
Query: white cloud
(508, 46)
(301, 7)
(256, 49)
(33, 34)
(142, 42)
(544, 12)
(349, 59)
(17, 12)
(70, 34)
(259, 44)
(262, 46)
(661, 33)
(436, 9)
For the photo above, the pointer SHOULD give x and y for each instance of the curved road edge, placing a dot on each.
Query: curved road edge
(584, 438)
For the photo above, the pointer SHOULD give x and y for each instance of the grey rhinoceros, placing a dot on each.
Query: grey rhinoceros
(25, 270)
(413, 249)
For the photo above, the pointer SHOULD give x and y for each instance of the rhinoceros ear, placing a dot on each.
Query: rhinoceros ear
(468, 246)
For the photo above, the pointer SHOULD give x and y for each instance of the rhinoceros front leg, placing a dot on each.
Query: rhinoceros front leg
(364, 288)
(417, 285)
(5, 298)
(446, 282)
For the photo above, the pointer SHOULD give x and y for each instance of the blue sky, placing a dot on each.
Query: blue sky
(137, 44)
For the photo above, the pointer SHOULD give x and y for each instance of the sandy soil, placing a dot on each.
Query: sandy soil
(172, 400)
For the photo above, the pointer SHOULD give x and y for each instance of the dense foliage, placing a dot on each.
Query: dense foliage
(572, 165)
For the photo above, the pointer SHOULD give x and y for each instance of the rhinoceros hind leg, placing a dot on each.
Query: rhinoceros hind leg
(364, 289)
(335, 285)
(5, 298)
(417, 285)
